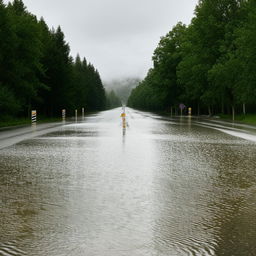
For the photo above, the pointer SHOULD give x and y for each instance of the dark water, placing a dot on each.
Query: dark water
(162, 187)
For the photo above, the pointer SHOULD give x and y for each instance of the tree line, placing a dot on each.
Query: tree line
(113, 101)
(208, 65)
(37, 71)
(123, 87)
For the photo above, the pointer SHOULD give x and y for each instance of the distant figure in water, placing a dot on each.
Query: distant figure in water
(123, 115)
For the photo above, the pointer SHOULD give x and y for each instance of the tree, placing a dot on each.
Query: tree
(210, 63)
(26, 64)
(36, 69)
(160, 89)
(112, 100)
(8, 103)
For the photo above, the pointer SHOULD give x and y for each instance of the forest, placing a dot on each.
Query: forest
(208, 65)
(37, 70)
(122, 87)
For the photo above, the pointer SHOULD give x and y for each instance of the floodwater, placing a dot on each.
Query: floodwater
(164, 186)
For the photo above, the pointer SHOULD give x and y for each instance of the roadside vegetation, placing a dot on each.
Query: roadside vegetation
(247, 119)
(14, 122)
(122, 87)
(37, 71)
(11, 121)
(208, 65)
(113, 100)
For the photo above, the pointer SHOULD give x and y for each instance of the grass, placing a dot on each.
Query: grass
(49, 120)
(14, 122)
(247, 119)
(8, 121)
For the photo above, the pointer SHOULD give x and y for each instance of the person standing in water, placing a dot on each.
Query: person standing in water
(123, 115)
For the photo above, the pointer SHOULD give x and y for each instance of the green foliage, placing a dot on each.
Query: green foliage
(248, 119)
(160, 88)
(8, 104)
(208, 64)
(37, 71)
(112, 100)
(123, 87)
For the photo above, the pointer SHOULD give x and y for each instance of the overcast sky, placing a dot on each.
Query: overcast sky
(117, 36)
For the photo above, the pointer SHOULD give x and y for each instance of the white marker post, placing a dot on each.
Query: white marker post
(182, 107)
(63, 114)
(76, 115)
(33, 116)
(83, 113)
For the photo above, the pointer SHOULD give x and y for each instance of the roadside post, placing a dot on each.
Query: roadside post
(33, 116)
(189, 111)
(182, 107)
(76, 115)
(82, 113)
(63, 115)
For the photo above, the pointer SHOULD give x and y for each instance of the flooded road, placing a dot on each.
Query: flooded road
(164, 186)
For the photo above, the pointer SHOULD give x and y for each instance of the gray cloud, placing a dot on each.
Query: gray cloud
(117, 36)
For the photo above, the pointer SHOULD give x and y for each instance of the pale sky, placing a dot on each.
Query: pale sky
(117, 36)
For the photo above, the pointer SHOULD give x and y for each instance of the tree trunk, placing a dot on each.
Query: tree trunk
(244, 110)
(29, 108)
(222, 107)
(228, 110)
(209, 110)
(233, 113)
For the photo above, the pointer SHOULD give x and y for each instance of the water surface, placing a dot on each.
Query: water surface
(164, 186)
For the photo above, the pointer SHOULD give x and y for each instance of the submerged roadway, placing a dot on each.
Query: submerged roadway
(162, 186)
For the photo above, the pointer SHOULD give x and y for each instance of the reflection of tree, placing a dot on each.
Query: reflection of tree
(235, 208)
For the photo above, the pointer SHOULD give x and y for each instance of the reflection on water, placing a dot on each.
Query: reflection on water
(156, 188)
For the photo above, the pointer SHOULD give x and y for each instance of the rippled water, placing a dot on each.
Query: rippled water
(162, 187)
